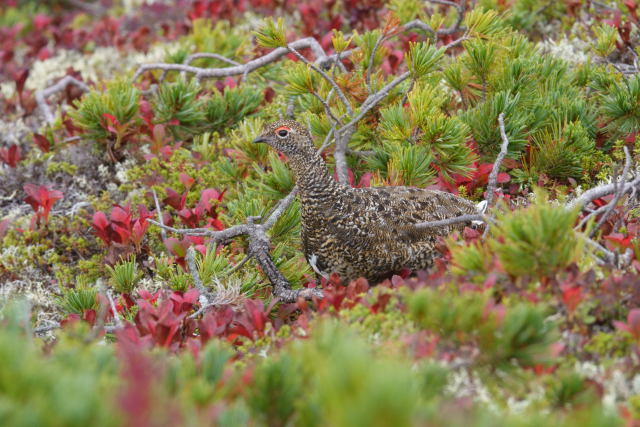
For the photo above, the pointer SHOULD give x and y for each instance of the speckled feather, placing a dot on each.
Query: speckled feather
(361, 232)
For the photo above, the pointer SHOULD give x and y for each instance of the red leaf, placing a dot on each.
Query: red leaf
(10, 156)
(186, 180)
(40, 22)
(174, 199)
(503, 177)
(42, 142)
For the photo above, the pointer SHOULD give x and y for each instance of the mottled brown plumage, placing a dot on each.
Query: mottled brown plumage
(361, 232)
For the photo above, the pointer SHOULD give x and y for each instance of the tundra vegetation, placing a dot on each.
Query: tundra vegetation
(150, 265)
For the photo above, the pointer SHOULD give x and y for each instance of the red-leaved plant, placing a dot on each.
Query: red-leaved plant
(10, 156)
(121, 228)
(41, 199)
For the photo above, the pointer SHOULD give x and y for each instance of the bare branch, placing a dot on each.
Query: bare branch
(92, 8)
(193, 269)
(618, 192)
(343, 136)
(322, 60)
(449, 221)
(163, 233)
(279, 209)
(327, 109)
(601, 191)
(373, 99)
(189, 59)
(41, 95)
(610, 257)
(420, 25)
(116, 316)
(493, 176)
(371, 59)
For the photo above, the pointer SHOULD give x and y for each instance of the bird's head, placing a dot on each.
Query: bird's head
(287, 136)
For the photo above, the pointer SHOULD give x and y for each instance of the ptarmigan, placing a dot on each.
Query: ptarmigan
(361, 232)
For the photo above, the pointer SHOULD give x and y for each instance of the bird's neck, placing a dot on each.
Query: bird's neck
(312, 177)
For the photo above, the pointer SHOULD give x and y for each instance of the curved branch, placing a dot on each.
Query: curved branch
(322, 60)
(41, 95)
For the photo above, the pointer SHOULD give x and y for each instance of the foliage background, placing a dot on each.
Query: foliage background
(527, 325)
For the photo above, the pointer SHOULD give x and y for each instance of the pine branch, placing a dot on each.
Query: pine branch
(325, 76)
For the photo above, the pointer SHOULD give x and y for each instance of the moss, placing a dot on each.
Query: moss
(608, 345)
(54, 168)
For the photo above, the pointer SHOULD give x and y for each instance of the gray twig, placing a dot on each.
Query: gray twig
(450, 221)
(41, 95)
(163, 233)
(618, 192)
(193, 269)
(417, 23)
(600, 191)
(322, 60)
(493, 176)
(371, 59)
(116, 316)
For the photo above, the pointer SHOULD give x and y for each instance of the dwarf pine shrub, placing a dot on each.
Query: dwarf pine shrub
(538, 240)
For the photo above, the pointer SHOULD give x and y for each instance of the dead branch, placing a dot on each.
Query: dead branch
(112, 304)
(601, 191)
(55, 325)
(493, 176)
(610, 258)
(163, 233)
(322, 60)
(450, 221)
(189, 59)
(421, 25)
(41, 95)
(381, 39)
(259, 246)
(617, 191)
(193, 270)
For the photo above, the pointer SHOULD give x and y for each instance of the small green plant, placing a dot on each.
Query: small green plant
(109, 116)
(276, 388)
(606, 36)
(125, 275)
(538, 240)
(211, 265)
(78, 300)
(177, 104)
(226, 109)
(173, 275)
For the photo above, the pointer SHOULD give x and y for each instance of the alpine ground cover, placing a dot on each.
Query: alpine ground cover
(108, 318)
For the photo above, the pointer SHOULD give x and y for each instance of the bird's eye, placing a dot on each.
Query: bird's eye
(282, 133)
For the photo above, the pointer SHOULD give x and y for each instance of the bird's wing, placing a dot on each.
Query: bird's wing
(400, 208)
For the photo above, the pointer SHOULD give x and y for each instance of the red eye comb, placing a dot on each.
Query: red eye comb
(283, 128)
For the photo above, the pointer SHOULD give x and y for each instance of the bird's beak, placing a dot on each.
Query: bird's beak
(260, 139)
